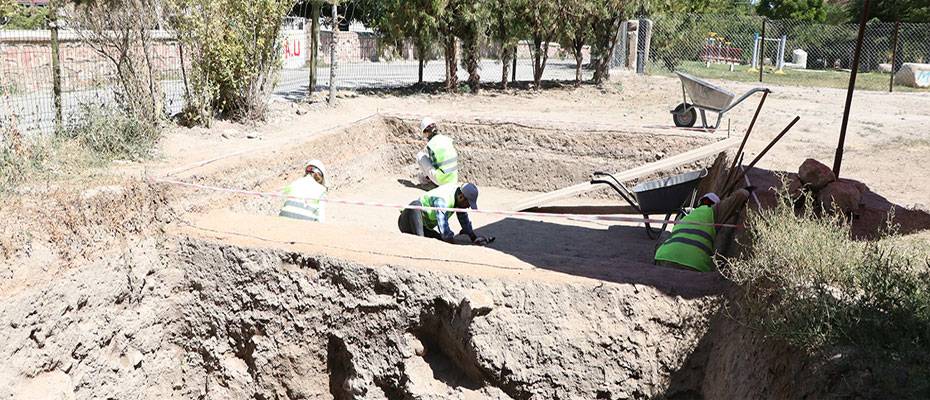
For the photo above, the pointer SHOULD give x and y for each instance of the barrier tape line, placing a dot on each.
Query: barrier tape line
(580, 217)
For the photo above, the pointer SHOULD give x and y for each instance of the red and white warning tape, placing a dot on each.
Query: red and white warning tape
(579, 217)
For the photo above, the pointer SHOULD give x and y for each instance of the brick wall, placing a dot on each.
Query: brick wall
(26, 61)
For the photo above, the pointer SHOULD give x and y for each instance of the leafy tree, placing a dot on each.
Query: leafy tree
(804, 10)
(890, 10)
(21, 16)
(235, 53)
(542, 22)
(575, 30)
(415, 20)
(470, 25)
(507, 28)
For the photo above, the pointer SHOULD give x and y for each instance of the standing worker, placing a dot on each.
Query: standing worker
(691, 245)
(438, 161)
(425, 222)
(307, 192)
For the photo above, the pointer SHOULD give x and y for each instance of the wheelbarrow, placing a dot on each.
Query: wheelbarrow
(666, 196)
(705, 96)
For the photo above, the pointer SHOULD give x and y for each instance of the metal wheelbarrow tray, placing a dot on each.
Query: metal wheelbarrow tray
(664, 196)
(705, 96)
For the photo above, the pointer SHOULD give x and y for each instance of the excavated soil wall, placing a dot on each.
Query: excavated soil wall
(163, 315)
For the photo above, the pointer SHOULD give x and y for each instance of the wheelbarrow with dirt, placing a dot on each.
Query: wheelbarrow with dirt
(666, 196)
(700, 95)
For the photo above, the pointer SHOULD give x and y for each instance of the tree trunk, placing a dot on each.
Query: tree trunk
(472, 56)
(537, 65)
(605, 42)
(421, 57)
(505, 62)
(452, 80)
(577, 46)
(314, 46)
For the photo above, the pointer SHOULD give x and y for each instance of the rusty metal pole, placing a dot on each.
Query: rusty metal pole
(762, 50)
(838, 159)
(894, 53)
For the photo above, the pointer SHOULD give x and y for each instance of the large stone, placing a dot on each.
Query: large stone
(815, 175)
(840, 196)
(913, 75)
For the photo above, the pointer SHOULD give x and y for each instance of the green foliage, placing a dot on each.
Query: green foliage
(234, 50)
(891, 10)
(19, 16)
(114, 134)
(802, 10)
(678, 37)
(806, 282)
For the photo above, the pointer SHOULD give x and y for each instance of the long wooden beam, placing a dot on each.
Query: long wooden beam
(630, 174)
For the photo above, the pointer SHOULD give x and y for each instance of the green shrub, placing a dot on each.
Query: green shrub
(113, 134)
(235, 53)
(806, 282)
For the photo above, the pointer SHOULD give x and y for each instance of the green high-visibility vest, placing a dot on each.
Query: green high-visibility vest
(306, 202)
(444, 192)
(444, 159)
(691, 245)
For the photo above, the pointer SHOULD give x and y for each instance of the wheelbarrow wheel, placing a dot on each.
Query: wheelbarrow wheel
(684, 116)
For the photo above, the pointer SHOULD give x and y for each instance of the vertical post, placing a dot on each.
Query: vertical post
(332, 56)
(755, 50)
(641, 47)
(894, 54)
(56, 62)
(315, 9)
(838, 159)
(762, 50)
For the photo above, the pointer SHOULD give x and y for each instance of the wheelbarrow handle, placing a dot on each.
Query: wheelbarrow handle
(620, 189)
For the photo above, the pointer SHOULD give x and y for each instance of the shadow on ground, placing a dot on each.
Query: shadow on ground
(619, 254)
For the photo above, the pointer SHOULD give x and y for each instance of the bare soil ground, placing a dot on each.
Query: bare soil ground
(113, 284)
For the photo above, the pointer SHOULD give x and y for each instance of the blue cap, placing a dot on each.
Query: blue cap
(470, 191)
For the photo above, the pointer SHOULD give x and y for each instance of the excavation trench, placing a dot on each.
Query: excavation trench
(234, 302)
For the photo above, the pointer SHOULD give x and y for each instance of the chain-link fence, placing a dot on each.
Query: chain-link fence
(791, 52)
(29, 67)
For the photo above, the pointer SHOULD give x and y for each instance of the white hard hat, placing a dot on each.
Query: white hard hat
(712, 197)
(318, 165)
(426, 122)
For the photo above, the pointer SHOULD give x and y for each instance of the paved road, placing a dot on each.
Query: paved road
(34, 111)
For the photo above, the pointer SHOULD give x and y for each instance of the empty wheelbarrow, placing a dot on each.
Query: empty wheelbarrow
(664, 196)
(705, 96)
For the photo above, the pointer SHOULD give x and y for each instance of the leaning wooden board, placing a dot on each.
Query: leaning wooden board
(630, 174)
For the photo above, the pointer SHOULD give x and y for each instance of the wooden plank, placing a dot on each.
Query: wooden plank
(630, 174)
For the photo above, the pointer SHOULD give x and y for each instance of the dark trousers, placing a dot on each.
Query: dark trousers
(411, 222)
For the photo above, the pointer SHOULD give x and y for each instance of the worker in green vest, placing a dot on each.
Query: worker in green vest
(691, 244)
(305, 194)
(435, 224)
(438, 162)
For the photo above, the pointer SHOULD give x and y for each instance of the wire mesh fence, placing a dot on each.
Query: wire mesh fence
(710, 46)
(87, 77)
(790, 52)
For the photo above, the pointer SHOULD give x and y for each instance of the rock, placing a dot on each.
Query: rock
(478, 302)
(840, 196)
(913, 75)
(133, 358)
(861, 187)
(814, 174)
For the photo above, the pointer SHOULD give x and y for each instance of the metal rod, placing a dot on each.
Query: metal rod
(762, 51)
(894, 53)
(838, 159)
(749, 130)
(761, 154)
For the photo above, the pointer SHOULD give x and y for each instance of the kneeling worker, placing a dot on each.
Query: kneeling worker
(691, 246)
(438, 161)
(424, 223)
(308, 191)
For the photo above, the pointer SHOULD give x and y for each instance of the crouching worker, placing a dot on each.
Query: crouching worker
(691, 244)
(438, 162)
(307, 192)
(426, 223)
